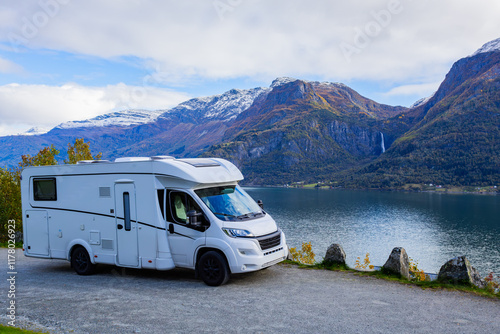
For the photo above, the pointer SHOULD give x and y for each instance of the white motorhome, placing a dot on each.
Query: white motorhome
(157, 213)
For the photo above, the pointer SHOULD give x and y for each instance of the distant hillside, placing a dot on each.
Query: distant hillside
(306, 130)
(455, 136)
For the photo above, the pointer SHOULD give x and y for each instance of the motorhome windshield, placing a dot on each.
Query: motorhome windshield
(230, 203)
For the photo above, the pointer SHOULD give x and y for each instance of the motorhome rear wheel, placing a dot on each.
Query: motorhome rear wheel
(80, 261)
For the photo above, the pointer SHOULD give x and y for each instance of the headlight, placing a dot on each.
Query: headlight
(237, 233)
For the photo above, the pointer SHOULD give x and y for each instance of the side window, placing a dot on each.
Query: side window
(160, 193)
(180, 204)
(44, 189)
(126, 211)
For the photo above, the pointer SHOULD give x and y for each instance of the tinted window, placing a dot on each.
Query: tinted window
(126, 211)
(45, 189)
(161, 201)
(180, 203)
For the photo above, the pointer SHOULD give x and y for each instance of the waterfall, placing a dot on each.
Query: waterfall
(382, 145)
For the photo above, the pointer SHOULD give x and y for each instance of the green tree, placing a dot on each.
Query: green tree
(80, 151)
(10, 201)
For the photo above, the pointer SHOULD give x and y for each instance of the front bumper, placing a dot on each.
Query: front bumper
(249, 255)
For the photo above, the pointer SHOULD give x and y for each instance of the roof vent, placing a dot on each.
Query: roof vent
(131, 159)
(162, 157)
(200, 162)
(84, 162)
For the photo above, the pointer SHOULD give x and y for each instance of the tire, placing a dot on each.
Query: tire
(80, 261)
(213, 268)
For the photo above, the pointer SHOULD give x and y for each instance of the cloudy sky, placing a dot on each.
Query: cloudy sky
(64, 60)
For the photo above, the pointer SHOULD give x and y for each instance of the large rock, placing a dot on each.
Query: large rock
(335, 255)
(459, 271)
(398, 263)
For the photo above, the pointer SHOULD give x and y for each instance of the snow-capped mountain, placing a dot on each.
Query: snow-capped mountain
(35, 131)
(421, 101)
(119, 118)
(224, 107)
(491, 46)
(281, 81)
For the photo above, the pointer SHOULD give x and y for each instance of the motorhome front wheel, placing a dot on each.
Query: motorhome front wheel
(213, 269)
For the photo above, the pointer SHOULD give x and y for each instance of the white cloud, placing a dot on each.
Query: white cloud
(425, 89)
(264, 39)
(26, 106)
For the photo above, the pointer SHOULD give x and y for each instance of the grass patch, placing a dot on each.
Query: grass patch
(15, 330)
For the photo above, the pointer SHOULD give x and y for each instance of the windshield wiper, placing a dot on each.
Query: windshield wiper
(250, 215)
(224, 214)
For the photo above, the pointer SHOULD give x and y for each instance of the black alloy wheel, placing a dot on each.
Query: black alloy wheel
(213, 269)
(80, 261)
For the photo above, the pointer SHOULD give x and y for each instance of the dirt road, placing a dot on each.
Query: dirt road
(280, 299)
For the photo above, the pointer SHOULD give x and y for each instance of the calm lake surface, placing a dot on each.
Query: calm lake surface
(432, 227)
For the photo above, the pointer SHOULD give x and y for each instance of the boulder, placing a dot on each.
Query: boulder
(398, 263)
(335, 255)
(459, 271)
(289, 256)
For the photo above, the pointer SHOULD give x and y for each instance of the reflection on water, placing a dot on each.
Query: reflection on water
(433, 228)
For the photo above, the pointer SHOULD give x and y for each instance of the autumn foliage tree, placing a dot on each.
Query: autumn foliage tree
(45, 157)
(80, 151)
(10, 187)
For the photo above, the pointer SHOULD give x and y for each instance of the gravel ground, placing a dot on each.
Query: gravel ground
(281, 299)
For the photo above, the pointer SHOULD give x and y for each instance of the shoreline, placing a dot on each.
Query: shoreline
(440, 191)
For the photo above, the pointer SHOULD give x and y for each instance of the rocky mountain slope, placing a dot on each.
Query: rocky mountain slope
(301, 130)
(454, 137)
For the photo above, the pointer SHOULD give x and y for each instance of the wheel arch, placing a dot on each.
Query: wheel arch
(204, 250)
(80, 243)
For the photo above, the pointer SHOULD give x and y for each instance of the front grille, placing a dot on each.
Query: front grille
(270, 240)
(273, 251)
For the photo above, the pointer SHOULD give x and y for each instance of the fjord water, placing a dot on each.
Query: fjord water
(432, 227)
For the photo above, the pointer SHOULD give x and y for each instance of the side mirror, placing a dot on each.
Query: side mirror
(192, 216)
(260, 203)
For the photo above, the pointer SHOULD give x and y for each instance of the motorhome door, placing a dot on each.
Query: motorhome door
(183, 237)
(126, 224)
(36, 237)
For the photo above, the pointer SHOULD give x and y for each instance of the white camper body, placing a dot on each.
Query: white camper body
(156, 213)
